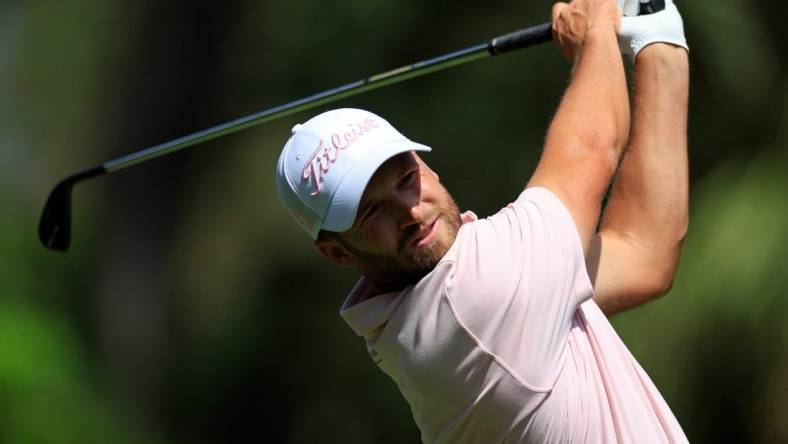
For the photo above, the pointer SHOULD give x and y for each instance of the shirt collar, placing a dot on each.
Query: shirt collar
(374, 309)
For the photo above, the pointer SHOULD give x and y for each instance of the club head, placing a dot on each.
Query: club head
(54, 228)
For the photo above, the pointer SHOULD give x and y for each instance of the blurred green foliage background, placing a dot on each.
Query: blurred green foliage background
(191, 310)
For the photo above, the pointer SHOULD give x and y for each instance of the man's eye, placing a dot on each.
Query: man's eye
(408, 178)
(370, 211)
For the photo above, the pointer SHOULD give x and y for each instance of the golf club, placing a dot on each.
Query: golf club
(54, 229)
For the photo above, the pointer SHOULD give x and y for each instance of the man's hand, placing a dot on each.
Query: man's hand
(572, 21)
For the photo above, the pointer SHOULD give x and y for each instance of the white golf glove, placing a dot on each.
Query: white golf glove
(638, 32)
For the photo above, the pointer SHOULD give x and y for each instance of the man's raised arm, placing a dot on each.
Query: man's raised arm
(636, 252)
(586, 135)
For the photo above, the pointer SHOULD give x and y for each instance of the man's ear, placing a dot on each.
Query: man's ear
(335, 252)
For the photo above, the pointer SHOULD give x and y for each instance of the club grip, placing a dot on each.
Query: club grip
(521, 39)
(544, 32)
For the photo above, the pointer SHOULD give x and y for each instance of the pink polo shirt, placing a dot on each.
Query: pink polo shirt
(502, 343)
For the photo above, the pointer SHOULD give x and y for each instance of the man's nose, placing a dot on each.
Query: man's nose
(410, 211)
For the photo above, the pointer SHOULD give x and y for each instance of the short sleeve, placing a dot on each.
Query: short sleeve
(520, 276)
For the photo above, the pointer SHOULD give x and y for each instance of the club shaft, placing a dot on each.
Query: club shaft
(508, 42)
(328, 96)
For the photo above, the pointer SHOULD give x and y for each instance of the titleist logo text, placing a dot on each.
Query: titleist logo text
(326, 154)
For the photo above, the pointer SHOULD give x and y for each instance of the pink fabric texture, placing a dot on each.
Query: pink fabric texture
(502, 343)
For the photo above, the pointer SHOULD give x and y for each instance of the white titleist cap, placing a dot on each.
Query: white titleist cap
(328, 161)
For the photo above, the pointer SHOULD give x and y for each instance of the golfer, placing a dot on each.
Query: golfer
(495, 329)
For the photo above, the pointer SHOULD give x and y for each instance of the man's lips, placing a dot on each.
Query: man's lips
(426, 235)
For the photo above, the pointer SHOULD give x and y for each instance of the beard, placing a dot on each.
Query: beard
(410, 266)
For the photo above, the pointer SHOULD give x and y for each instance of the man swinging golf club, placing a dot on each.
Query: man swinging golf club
(493, 328)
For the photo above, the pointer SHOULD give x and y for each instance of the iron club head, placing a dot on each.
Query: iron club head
(54, 228)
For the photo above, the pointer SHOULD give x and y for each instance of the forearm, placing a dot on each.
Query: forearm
(648, 206)
(586, 135)
(594, 111)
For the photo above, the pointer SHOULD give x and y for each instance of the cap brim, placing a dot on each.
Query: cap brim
(344, 204)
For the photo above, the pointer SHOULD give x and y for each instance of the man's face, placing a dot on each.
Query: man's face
(405, 224)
